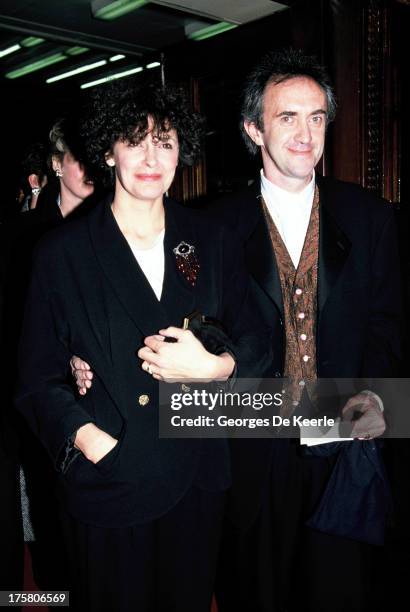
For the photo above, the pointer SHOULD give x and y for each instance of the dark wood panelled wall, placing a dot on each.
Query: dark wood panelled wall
(363, 45)
(370, 76)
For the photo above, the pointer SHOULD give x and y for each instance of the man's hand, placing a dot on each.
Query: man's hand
(371, 423)
(82, 373)
(186, 359)
(93, 442)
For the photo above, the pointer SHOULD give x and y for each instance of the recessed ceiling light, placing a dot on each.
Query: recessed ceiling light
(74, 71)
(31, 41)
(112, 9)
(33, 66)
(9, 50)
(112, 77)
(212, 30)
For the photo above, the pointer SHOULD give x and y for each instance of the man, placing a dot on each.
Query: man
(325, 254)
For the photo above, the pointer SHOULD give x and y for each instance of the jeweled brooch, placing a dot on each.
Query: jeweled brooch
(187, 261)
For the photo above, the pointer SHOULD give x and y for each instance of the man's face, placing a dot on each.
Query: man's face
(294, 119)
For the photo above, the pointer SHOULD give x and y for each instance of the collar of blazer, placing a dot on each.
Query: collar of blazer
(334, 246)
(126, 277)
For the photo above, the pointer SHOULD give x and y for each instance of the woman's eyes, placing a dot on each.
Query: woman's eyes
(163, 144)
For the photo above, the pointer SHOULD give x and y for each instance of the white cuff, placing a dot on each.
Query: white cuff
(376, 397)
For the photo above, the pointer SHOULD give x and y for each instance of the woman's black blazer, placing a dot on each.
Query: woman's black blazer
(89, 297)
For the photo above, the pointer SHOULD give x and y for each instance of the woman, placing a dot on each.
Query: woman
(72, 184)
(34, 172)
(142, 514)
(57, 200)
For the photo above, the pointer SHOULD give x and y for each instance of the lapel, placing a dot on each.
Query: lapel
(127, 279)
(178, 296)
(260, 256)
(334, 246)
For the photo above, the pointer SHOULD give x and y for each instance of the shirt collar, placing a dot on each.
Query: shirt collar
(273, 193)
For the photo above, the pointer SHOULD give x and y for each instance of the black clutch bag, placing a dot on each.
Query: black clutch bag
(209, 331)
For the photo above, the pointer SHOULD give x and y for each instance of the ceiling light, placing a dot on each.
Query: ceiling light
(112, 9)
(115, 58)
(31, 41)
(112, 77)
(212, 30)
(9, 50)
(42, 63)
(153, 65)
(79, 70)
(76, 50)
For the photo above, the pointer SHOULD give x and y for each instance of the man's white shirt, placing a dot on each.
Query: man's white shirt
(290, 213)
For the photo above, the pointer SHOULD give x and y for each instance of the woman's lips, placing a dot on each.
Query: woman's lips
(148, 177)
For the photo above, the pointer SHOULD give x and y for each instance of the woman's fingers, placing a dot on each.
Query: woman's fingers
(82, 373)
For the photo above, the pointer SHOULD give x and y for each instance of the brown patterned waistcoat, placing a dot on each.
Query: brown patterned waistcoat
(299, 294)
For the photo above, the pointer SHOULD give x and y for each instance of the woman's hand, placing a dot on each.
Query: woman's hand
(93, 442)
(82, 374)
(186, 359)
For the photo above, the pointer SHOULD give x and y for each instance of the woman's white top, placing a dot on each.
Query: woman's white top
(152, 263)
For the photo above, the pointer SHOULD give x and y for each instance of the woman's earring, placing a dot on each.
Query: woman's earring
(59, 174)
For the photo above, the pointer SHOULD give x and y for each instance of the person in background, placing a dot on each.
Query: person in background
(34, 170)
(70, 184)
(34, 477)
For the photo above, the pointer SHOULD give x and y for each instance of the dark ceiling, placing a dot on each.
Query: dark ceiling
(149, 34)
(139, 35)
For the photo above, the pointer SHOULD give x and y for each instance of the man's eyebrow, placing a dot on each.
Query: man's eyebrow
(319, 111)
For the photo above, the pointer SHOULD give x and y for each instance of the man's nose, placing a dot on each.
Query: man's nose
(303, 133)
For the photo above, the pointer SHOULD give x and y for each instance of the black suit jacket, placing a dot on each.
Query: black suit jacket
(359, 303)
(90, 298)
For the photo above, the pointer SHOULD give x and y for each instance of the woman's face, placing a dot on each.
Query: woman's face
(73, 178)
(145, 171)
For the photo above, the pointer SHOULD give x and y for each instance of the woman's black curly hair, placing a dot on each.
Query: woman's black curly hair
(120, 111)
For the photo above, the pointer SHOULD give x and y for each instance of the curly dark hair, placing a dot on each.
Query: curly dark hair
(277, 67)
(120, 111)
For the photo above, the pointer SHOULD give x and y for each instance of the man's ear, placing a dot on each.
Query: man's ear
(33, 181)
(253, 132)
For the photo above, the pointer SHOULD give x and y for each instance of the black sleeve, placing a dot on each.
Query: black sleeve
(384, 334)
(250, 334)
(44, 396)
